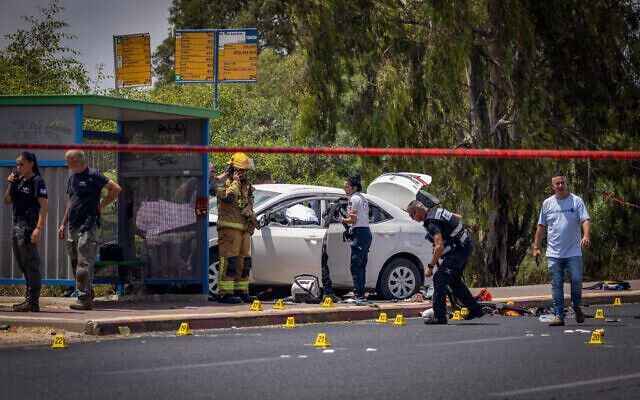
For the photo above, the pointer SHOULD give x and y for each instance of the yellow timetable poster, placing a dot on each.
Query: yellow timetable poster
(132, 59)
(237, 51)
(194, 56)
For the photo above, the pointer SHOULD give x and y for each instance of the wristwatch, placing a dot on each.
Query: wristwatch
(430, 266)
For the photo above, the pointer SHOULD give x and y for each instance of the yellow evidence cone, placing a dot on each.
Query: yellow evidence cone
(124, 330)
(279, 305)
(399, 320)
(464, 311)
(59, 342)
(382, 318)
(597, 337)
(599, 314)
(328, 302)
(184, 330)
(291, 323)
(456, 316)
(322, 341)
(617, 301)
(256, 306)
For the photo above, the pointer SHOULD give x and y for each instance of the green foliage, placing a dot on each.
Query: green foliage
(36, 61)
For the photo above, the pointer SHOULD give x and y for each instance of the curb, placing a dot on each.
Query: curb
(244, 319)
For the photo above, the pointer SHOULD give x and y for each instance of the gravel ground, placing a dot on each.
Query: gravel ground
(18, 336)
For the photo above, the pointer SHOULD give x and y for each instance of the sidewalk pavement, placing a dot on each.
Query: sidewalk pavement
(148, 316)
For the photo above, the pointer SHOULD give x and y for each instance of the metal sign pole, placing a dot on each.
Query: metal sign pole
(215, 70)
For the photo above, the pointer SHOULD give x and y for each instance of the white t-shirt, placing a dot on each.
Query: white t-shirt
(563, 219)
(359, 206)
(302, 213)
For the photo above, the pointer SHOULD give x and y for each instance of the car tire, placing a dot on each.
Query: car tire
(214, 269)
(400, 279)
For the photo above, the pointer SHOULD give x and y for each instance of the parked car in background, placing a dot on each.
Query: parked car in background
(286, 247)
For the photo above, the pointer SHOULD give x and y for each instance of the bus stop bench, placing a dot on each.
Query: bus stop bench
(125, 271)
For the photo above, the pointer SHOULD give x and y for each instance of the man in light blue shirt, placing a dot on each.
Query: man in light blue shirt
(561, 217)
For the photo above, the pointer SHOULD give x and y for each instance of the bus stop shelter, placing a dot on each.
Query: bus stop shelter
(154, 219)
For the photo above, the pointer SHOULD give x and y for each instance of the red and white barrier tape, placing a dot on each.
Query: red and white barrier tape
(462, 153)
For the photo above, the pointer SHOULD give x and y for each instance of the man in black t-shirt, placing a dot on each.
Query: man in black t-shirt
(83, 216)
(453, 247)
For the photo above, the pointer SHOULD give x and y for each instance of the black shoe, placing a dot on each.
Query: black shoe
(247, 298)
(478, 313)
(82, 305)
(436, 322)
(579, 314)
(229, 299)
(333, 297)
(26, 306)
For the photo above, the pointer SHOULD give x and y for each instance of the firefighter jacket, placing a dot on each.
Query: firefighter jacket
(235, 204)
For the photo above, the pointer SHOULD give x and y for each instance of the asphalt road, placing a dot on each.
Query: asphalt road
(490, 358)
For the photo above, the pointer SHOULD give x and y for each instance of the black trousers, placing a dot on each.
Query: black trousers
(26, 254)
(449, 274)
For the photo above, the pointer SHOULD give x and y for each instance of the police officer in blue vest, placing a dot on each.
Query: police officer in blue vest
(28, 194)
(453, 246)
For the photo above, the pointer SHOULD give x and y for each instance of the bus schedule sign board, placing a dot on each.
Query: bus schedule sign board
(237, 55)
(132, 60)
(235, 58)
(194, 56)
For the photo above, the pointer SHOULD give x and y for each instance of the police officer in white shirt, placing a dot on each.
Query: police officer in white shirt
(358, 218)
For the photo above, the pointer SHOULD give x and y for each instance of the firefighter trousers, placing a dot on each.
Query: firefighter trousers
(234, 247)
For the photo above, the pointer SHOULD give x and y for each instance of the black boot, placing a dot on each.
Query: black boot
(435, 321)
(229, 299)
(247, 298)
(477, 313)
(26, 306)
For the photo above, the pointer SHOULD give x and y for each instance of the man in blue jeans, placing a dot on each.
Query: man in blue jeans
(561, 217)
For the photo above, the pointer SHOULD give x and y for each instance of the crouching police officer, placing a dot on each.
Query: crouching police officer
(28, 194)
(236, 223)
(445, 229)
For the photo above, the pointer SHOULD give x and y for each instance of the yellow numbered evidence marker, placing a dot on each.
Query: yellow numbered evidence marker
(291, 323)
(184, 330)
(456, 316)
(617, 302)
(382, 318)
(399, 320)
(256, 306)
(599, 314)
(328, 302)
(322, 341)
(597, 337)
(59, 342)
(279, 305)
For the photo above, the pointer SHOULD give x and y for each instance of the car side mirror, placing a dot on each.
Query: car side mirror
(262, 220)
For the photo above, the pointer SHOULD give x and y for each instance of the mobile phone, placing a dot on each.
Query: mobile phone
(15, 173)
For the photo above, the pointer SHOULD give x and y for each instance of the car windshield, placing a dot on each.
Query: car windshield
(259, 197)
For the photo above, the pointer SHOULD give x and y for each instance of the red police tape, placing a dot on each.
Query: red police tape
(464, 153)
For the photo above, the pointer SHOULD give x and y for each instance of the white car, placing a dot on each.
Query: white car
(286, 247)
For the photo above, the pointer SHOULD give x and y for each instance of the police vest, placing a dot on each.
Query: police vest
(451, 228)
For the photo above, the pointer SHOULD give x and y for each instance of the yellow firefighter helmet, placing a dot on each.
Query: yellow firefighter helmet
(241, 161)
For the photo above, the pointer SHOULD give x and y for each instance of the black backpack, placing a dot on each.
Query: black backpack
(111, 252)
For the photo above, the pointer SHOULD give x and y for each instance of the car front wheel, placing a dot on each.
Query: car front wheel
(400, 279)
(214, 268)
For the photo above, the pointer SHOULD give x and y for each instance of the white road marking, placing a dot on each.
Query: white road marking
(328, 351)
(193, 366)
(370, 349)
(473, 341)
(569, 385)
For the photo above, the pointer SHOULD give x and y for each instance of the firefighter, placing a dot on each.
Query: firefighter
(236, 223)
